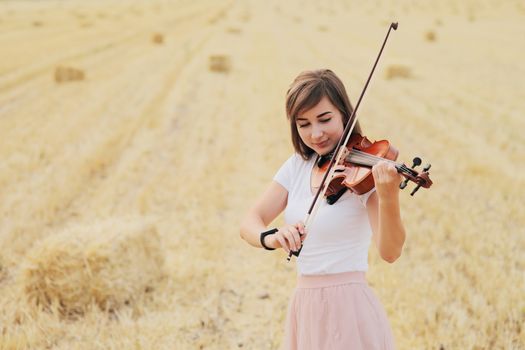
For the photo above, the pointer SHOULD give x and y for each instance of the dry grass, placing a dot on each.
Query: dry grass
(154, 138)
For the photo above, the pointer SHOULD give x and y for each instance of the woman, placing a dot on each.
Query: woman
(332, 306)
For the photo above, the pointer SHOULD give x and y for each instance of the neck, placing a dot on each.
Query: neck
(322, 159)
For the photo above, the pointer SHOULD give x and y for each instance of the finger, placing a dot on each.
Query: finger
(382, 171)
(390, 168)
(302, 231)
(393, 172)
(288, 238)
(284, 244)
(383, 167)
(389, 173)
(293, 238)
(301, 228)
(376, 169)
(377, 173)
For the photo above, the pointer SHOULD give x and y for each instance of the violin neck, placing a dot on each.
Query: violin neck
(364, 159)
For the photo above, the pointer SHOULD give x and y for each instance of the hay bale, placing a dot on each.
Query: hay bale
(3, 271)
(220, 63)
(233, 30)
(398, 71)
(157, 38)
(245, 17)
(430, 36)
(85, 24)
(64, 74)
(108, 264)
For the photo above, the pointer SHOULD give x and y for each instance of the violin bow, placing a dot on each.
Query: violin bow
(339, 151)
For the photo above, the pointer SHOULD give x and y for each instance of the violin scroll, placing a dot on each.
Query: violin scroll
(422, 179)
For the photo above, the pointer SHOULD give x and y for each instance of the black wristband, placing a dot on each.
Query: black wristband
(266, 233)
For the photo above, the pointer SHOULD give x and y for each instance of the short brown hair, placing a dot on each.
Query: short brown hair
(305, 92)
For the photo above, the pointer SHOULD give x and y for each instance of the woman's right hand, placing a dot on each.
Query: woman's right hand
(289, 237)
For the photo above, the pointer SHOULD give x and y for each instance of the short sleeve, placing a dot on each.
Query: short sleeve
(285, 174)
(364, 197)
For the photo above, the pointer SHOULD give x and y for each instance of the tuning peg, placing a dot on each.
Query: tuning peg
(427, 167)
(415, 162)
(415, 190)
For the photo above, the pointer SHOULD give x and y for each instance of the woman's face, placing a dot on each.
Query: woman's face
(320, 127)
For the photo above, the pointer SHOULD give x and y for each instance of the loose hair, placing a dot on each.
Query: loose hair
(305, 92)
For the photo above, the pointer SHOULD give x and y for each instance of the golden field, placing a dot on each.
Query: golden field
(134, 135)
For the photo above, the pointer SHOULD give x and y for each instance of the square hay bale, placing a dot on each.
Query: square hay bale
(64, 74)
(157, 38)
(233, 30)
(398, 71)
(245, 17)
(3, 270)
(430, 36)
(220, 63)
(108, 264)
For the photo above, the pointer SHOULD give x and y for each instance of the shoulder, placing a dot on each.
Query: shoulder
(290, 171)
(297, 161)
(297, 164)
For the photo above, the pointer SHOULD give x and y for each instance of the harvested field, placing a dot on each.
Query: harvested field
(125, 122)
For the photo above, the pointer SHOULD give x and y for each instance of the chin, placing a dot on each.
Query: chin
(325, 150)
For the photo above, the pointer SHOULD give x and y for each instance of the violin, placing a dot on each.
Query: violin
(358, 158)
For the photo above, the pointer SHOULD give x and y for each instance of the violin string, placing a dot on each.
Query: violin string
(369, 159)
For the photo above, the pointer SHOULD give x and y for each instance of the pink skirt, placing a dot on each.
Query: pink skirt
(336, 312)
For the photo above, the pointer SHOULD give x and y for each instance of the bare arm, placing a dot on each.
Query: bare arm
(384, 212)
(264, 211)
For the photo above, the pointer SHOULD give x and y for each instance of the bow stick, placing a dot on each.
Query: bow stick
(337, 155)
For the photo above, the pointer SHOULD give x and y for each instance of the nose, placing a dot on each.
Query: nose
(317, 131)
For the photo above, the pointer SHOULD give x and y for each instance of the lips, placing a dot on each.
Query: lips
(321, 144)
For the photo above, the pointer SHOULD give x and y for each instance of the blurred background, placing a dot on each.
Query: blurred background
(135, 134)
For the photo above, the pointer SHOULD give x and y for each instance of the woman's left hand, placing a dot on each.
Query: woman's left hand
(386, 179)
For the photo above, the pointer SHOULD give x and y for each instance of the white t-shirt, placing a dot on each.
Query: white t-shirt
(339, 235)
